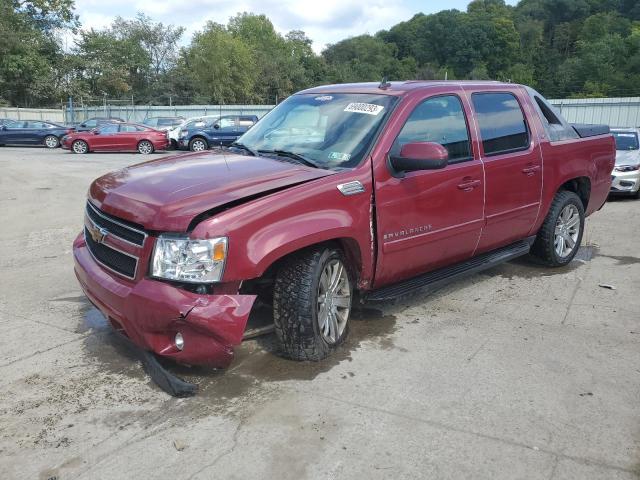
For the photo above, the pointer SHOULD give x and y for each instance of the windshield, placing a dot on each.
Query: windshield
(331, 130)
(626, 140)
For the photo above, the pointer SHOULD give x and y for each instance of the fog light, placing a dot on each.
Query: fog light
(179, 341)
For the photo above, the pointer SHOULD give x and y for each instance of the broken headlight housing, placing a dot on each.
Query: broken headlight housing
(185, 260)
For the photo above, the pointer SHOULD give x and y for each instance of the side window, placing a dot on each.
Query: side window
(128, 128)
(501, 122)
(439, 120)
(91, 123)
(34, 124)
(227, 122)
(108, 128)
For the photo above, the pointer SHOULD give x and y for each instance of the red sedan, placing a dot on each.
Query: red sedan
(113, 137)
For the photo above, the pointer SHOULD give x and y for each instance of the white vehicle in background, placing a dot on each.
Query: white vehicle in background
(625, 178)
(174, 133)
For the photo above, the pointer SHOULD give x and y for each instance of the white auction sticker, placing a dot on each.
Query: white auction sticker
(368, 108)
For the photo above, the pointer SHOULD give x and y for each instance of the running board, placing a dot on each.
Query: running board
(432, 281)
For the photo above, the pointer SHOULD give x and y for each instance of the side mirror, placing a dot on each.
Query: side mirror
(95, 131)
(216, 126)
(420, 156)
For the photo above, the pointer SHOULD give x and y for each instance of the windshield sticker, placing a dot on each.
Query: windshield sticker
(632, 135)
(368, 108)
(343, 157)
(324, 98)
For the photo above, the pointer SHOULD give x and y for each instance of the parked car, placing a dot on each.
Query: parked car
(174, 133)
(625, 178)
(163, 123)
(94, 122)
(224, 130)
(117, 137)
(381, 189)
(32, 132)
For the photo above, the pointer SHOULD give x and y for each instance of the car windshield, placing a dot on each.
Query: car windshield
(626, 140)
(332, 131)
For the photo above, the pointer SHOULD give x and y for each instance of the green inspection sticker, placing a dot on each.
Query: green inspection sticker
(343, 157)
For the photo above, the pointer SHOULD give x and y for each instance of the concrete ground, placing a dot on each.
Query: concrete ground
(517, 373)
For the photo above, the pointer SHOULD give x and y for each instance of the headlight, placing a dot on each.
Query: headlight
(627, 168)
(186, 260)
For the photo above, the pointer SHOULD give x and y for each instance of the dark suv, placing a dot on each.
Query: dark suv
(216, 131)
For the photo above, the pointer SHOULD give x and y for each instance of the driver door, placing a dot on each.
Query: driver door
(430, 218)
(106, 138)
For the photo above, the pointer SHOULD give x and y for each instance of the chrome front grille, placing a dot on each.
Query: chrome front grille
(117, 227)
(100, 229)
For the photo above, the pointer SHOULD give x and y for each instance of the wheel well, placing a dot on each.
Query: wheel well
(348, 246)
(581, 186)
(198, 137)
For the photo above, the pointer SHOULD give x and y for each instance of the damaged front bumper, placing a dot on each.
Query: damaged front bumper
(150, 313)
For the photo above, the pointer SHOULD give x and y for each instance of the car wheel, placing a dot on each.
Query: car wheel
(51, 141)
(145, 147)
(559, 237)
(198, 144)
(311, 303)
(79, 146)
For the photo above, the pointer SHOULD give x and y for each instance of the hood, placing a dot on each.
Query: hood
(166, 194)
(627, 157)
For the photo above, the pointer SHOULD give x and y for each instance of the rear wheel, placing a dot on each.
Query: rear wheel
(51, 141)
(145, 147)
(312, 303)
(559, 237)
(79, 146)
(198, 144)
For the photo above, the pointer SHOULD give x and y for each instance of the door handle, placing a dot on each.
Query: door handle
(530, 170)
(468, 185)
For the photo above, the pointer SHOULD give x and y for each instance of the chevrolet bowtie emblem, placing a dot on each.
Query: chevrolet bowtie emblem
(97, 233)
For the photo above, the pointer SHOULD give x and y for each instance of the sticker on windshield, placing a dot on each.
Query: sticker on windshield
(343, 157)
(632, 135)
(324, 98)
(368, 108)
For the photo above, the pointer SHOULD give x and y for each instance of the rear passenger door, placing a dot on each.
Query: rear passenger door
(513, 167)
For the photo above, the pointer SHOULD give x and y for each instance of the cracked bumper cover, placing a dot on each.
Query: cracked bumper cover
(151, 312)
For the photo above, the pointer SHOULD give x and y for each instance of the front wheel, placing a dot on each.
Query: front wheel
(80, 146)
(198, 145)
(312, 302)
(559, 237)
(145, 147)
(51, 141)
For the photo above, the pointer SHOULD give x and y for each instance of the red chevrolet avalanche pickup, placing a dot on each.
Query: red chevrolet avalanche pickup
(373, 190)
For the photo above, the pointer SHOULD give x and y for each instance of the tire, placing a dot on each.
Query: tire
(51, 141)
(563, 226)
(80, 147)
(145, 147)
(303, 331)
(198, 144)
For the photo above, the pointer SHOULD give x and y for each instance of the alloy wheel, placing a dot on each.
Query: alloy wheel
(145, 147)
(567, 231)
(80, 147)
(198, 146)
(334, 301)
(50, 141)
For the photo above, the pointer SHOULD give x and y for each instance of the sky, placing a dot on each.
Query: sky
(324, 21)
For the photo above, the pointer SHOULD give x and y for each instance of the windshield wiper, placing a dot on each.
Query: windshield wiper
(293, 156)
(242, 146)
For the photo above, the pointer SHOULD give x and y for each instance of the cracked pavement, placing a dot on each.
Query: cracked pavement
(517, 373)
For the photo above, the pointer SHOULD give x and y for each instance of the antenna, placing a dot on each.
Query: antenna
(384, 84)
